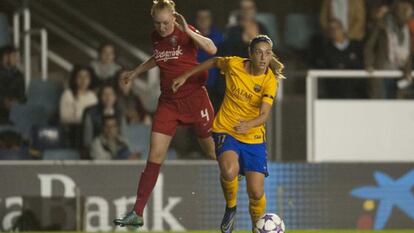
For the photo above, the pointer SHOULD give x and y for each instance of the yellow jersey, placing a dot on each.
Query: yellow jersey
(243, 99)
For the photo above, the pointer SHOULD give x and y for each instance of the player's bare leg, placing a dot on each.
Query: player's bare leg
(157, 154)
(255, 191)
(229, 170)
(158, 147)
(207, 145)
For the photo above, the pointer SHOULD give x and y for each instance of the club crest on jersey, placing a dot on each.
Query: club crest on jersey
(257, 88)
(173, 41)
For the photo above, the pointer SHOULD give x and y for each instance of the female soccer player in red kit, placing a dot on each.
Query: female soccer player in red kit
(175, 45)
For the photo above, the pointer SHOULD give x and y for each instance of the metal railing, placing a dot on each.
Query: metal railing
(105, 32)
(82, 46)
(274, 127)
(55, 58)
(25, 14)
(64, 30)
(28, 32)
(84, 42)
(153, 74)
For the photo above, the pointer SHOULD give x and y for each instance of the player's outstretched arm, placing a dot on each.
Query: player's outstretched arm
(141, 68)
(145, 66)
(244, 126)
(201, 41)
(179, 81)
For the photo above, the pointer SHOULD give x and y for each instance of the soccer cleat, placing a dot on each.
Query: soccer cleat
(131, 219)
(227, 223)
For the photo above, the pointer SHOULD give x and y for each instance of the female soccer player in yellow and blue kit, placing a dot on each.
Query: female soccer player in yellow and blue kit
(238, 129)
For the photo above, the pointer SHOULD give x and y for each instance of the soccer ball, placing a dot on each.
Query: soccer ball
(269, 223)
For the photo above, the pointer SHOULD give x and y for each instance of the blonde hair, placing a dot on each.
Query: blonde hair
(162, 4)
(279, 68)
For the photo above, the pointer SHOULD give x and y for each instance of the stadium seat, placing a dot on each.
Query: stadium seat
(299, 29)
(12, 154)
(4, 128)
(61, 154)
(269, 20)
(46, 94)
(171, 154)
(138, 136)
(24, 117)
(5, 33)
(46, 137)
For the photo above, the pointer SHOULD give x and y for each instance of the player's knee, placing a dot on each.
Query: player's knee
(156, 156)
(211, 155)
(255, 194)
(210, 152)
(229, 173)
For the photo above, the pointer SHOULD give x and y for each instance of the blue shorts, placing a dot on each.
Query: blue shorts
(252, 157)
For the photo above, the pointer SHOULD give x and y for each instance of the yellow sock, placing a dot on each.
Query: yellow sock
(257, 208)
(230, 191)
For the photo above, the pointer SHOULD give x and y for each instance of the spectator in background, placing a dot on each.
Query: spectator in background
(377, 10)
(237, 37)
(351, 13)
(6, 102)
(12, 146)
(12, 84)
(105, 67)
(74, 101)
(93, 116)
(243, 27)
(340, 52)
(388, 46)
(12, 79)
(110, 144)
(78, 96)
(204, 23)
(129, 103)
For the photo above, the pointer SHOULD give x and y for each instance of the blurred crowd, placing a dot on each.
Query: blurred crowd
(96, 118)
(370, 35)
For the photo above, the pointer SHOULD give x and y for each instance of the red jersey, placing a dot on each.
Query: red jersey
(174, 55)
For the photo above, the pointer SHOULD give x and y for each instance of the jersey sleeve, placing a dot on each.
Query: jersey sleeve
(270, 90)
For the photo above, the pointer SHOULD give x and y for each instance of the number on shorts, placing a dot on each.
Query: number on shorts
(220, 140)
(204, 114)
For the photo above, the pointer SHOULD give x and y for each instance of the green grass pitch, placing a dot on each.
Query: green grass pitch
(288, 231)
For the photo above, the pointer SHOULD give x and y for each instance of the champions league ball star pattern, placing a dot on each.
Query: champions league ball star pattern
(269, 223)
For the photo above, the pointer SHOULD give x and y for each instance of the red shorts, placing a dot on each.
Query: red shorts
(194, 111)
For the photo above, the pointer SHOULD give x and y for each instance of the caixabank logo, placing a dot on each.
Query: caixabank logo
(389, 196)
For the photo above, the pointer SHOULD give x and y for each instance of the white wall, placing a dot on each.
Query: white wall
(364, 130)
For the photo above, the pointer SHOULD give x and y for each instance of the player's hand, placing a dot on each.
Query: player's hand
(242, 127)
(180, 22)
(177, 83)
(126, 78)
